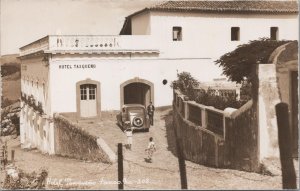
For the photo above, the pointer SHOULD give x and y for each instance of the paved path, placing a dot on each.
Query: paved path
(163, 173)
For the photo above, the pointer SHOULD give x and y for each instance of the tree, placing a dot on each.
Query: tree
(237, 65)
(186, 84)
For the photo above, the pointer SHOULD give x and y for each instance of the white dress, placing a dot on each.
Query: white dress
(129, 137)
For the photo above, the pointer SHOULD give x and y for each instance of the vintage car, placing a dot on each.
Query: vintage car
(135, 116)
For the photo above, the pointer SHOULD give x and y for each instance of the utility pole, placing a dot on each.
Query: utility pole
(120, 167)
(285, 145)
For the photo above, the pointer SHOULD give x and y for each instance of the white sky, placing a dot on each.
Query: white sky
(24, 21)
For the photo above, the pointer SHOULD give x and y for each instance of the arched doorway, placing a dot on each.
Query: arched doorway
(286, 59)
(88, 98)
(137, 91)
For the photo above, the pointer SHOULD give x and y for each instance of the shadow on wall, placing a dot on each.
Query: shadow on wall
(170, 135)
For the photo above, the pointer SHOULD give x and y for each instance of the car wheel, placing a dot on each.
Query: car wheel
(138, 122)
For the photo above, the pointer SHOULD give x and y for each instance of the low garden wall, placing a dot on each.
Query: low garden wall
(72, 141)
(199, 144)
(212, 137)
(241, 139)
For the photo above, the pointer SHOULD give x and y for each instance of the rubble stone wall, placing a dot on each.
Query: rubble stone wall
(72, 141)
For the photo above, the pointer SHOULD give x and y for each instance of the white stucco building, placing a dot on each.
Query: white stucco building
(90, 74)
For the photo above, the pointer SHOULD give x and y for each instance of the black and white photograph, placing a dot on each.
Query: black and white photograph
(149, 94)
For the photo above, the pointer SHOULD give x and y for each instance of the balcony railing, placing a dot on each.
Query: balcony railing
(73, 43)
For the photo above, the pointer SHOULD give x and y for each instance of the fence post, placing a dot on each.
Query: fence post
(186, 110)
(181, 162)
(12, 156)
(284, 139)
(120, 167)
(5, 158)
(204, 118)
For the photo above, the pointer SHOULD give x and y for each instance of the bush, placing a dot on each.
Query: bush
(186, 84)
(210, 99)
(237, 65)
(18, 179)
(246, 91)
(8, 69)
(15, 119)
(6, 102)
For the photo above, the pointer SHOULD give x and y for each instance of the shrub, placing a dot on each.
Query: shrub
(186, 84)
(8, 69)
(39, 108)
(237, 65)
(6, 102)
(15, 119)
(246, 91)
(209, 98)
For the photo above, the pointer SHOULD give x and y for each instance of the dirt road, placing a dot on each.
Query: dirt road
(163, 173)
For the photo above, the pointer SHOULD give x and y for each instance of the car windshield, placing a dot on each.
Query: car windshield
(135, 110)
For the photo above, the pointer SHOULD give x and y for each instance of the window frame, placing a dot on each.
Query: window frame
(88, 91)
(92, 91)
(179, 33)
(83, 92)
(276, 33)
(235, 34)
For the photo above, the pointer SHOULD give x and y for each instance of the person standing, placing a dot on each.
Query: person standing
(128, 132)
(150, 149)
(150, 110)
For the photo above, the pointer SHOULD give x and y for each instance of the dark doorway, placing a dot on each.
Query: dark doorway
(294, 109)
(137, 93)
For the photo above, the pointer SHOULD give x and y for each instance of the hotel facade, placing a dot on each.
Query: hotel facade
(90, 74)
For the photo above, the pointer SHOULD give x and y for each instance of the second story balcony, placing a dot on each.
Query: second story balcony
(91, 44)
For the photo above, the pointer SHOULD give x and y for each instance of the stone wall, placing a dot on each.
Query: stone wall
(72, 141)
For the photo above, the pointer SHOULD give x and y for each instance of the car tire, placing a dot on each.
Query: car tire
(147, 129)
(138, 122)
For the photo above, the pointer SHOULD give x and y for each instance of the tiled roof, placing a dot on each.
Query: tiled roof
(229, 6)
(207, 6)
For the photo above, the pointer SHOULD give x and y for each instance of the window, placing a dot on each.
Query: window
(88, 92)
(274, 33)
(235, 33)
(83, 92)
(92, 92)
(177, 33)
